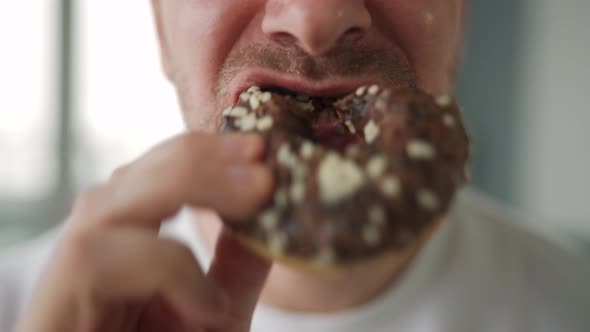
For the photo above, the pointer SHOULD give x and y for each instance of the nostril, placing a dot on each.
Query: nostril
(283, 38)
(352, 34)
(354, 31)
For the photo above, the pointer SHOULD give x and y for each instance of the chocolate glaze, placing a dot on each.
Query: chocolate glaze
(421, 138)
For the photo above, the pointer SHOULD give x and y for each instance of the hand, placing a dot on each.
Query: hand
(112, 273)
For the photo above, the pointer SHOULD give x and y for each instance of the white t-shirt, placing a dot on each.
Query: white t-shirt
(482, 271)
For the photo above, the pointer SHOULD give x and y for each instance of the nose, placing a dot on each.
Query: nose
(315, 26)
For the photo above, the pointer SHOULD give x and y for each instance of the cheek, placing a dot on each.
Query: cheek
(199, 35)
(429, 32)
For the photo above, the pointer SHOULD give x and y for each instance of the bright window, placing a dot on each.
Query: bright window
(120, 103)
(125, 103)
(26, 107)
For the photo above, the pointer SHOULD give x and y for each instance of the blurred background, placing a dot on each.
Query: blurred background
(81, 92)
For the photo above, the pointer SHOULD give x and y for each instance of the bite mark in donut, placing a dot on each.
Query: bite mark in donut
(357, 176)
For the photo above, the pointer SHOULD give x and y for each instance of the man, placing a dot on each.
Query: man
(110, 271)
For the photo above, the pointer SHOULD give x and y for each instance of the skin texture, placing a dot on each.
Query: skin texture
(110, 272)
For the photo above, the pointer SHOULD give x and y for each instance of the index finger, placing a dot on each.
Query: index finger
(195, 169)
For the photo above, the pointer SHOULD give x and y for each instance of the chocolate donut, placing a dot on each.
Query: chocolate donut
(357, 176)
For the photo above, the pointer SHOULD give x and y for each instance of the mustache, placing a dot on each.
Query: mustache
(348, 59)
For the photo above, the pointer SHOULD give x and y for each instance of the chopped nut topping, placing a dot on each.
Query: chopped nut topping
(371, 131)
(448, 120)
(338, 178)
(306, 150)
(391, 186)
(377, 215)
(350, 126)
(361, 91)
(371, 235)
(244, 97)
(264, 123)
(443, 100)
(254, 102)
(277, 243)
(269, 219)
(238, 112)
(253, 89)
(373, 89)
(420, 150)
(427, 199)
(248, 122)
(286, 157)
(376, 166)
(265, 97)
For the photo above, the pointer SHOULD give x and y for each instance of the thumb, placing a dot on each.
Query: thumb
(242, 275)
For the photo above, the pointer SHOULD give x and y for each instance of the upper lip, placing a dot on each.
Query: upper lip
(265, 78)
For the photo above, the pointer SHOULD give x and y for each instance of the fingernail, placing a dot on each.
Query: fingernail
(247, 146)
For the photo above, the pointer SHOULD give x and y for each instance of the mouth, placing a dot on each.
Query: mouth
(294, 85)
(319, 97)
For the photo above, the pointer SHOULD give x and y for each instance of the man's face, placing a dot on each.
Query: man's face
(214, 49)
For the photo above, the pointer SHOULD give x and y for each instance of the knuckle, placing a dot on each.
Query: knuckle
(87, 201)
(76, 251)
